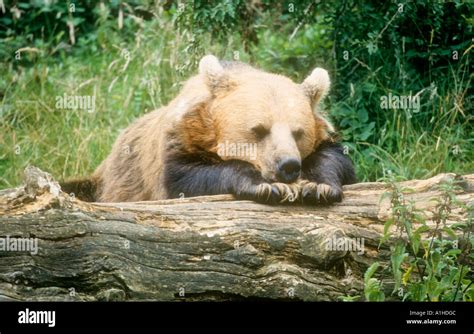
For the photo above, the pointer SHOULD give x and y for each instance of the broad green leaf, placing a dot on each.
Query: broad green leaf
(450, 232)
(370, 271)
(386, 228)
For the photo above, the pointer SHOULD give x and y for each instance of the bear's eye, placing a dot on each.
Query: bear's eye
(260, 131)
(298, 134)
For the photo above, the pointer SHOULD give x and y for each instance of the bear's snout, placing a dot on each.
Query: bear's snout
(288, 170)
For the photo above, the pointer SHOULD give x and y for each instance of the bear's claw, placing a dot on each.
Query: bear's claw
(303, 191)
(319, 193)
(277, 192)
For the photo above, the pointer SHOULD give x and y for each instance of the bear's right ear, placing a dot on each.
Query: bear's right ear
(316, 86)
(214, 74)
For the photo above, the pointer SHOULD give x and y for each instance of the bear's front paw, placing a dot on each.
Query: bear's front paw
(277, 192)
(319, 193)
(272, 193)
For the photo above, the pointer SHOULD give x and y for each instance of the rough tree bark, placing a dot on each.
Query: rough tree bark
(203, 248)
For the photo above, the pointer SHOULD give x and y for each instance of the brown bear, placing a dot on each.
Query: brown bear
(232, 129)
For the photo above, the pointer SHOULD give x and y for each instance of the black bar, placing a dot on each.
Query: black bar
(353, 315)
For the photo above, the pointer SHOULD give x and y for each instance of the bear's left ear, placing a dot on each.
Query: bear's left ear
(214, 74)
(316, 85)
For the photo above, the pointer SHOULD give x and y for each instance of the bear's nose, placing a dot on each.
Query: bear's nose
(288, 170)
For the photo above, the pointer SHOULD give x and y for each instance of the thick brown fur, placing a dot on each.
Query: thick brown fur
(174, 151)
(84, 189)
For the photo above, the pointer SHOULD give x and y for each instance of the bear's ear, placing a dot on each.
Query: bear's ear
(214, 74)
(316, 85)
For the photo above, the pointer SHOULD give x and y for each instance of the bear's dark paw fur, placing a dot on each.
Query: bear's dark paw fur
(319, 193)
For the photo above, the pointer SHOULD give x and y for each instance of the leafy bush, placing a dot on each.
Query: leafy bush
(405, 49)
(427, 264)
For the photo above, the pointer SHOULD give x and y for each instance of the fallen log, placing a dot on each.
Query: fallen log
(202, 248)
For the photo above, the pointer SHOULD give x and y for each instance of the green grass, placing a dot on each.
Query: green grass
(70, 143)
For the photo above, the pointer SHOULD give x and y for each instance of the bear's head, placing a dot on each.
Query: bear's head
(262, 118)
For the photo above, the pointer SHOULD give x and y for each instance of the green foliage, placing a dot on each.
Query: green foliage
(292, 42)
(349, 298)
(217, 18)
(428, 263)
(404, 49)
(372, 286)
